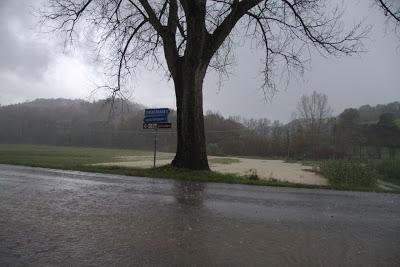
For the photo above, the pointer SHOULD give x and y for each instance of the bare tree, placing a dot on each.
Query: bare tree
(313, 111)
(391, 9)
(197, 35)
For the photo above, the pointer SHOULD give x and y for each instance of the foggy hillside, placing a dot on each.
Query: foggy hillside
(80, 123)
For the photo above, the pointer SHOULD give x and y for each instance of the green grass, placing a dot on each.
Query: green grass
(60, 157)
(80, 159)
(354, 175)
(223, 161)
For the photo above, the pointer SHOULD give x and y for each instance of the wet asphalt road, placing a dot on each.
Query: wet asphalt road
(65, 218)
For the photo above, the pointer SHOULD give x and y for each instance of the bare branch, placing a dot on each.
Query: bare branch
(389, 10)
(238, 9)
(204, 31)
(124, 52)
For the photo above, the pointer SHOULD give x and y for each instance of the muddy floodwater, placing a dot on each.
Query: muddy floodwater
(265, 169)
(66, 218)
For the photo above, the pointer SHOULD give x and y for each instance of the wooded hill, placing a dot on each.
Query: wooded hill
(364, 132)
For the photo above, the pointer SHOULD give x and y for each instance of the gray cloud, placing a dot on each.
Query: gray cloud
(32, 63)
(21, 53)
(33, 66)
(24, 58)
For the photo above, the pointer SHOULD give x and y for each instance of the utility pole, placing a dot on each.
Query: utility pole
(155, 146)
(288, 142)
(334, 135)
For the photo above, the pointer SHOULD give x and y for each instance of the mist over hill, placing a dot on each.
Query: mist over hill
(369, 129)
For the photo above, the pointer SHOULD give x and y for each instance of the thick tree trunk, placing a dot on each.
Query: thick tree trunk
(191, 142)
(188, 73)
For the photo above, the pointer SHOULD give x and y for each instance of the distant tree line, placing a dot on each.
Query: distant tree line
(366, 132)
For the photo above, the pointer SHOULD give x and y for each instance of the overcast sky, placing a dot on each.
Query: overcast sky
(35, 65)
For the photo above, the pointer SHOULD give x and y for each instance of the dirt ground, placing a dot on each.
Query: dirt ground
(265, 169)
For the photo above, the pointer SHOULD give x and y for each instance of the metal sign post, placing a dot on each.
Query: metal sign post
(155, 118)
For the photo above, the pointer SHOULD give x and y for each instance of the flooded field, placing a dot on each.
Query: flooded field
(265, 169)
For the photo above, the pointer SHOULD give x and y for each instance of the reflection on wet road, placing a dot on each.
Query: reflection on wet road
(50, 217)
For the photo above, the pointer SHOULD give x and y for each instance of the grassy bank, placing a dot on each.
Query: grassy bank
(343, 174)
(80, 159)
(389, 169)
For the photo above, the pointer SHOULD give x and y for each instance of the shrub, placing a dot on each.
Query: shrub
(388, 168)
(253, 175)
(349, 174)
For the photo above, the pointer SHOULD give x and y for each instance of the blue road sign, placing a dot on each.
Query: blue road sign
(156, 112)
(155, 119)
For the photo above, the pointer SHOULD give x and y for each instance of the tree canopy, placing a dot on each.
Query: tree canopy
(134, 31)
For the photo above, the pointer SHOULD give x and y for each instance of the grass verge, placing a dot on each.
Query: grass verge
(169, 172)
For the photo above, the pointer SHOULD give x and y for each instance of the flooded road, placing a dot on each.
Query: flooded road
(66, 218)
